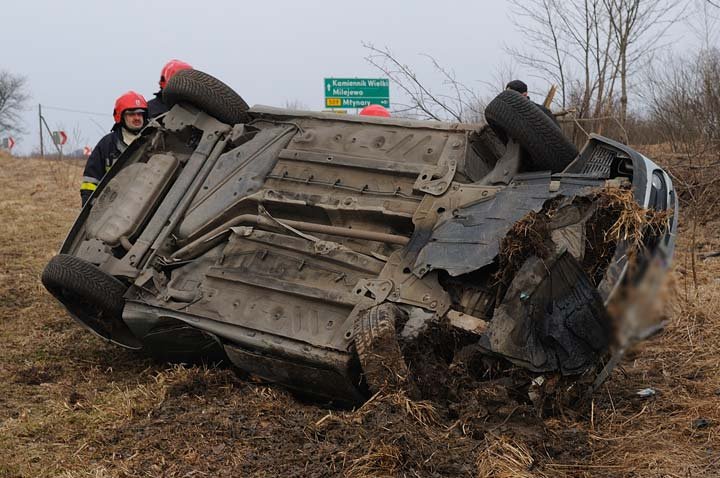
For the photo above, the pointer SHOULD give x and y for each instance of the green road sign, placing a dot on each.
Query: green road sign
(356, 92)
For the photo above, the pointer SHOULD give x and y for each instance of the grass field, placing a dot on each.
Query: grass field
(74, 406)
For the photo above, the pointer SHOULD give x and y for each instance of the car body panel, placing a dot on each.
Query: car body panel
(267, 241)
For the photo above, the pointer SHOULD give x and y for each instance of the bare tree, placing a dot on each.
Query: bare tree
(703, 22)
(590, 48)
(538, 22)
(570, 43)
(682, 93)
(503, 73)
(13, 99)
(455, 102)
(638, 26)
(684, 100)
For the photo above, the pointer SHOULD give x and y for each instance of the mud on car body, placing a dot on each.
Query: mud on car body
(314, 250)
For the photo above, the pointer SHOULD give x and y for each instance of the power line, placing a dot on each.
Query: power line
(75, 111)
(102, 129)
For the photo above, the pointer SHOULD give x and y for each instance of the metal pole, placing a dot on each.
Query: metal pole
(40, 122)
(57, 146)
(209, 240)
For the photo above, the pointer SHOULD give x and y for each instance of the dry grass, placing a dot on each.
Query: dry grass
(630, 222)
(381, 460)
(74, 406)
(422, 412)
(505, 458)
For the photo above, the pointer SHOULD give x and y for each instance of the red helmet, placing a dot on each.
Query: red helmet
(170, 68)
(375, 110)
(128, 101)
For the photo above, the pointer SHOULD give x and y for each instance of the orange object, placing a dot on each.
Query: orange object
(128, 101)
(375, 110)
(169, 70)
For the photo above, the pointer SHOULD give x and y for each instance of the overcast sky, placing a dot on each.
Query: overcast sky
(84, 53)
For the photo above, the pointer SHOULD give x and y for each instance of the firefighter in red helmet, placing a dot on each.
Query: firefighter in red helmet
(130, 115)
(156, 106)
(375, 110)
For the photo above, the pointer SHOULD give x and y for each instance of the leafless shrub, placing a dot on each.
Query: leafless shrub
(13, 99)
(64, 171)
(683, 97)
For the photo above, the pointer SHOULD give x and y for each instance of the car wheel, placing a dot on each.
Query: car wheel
(91, 296)
(512, 114)
(206, 93)
(379, 352)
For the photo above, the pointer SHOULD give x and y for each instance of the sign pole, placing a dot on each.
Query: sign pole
(51, 135)
(40, 122)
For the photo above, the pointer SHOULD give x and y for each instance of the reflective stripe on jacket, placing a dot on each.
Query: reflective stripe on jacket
(101, 159)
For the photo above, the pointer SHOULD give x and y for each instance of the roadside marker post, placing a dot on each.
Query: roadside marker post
(7, 143)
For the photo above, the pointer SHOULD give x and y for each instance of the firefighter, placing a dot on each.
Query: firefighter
(375, 110)
(156, 106)
(130, 115)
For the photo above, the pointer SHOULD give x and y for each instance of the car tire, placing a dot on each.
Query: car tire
(512, 115)
(206, 93)
(91, 296)
(378, 349)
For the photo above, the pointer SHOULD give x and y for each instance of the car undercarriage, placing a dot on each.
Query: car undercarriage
(330, 253)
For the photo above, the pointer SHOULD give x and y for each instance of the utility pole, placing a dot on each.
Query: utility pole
(40, 122)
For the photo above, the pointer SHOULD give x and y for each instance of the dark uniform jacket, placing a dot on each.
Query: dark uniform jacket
(156, 106)
(100, 160)
(549, 113)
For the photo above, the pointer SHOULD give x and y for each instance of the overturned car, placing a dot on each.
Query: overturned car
(327, 253)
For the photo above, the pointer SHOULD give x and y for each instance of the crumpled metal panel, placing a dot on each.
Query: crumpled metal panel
(237, 174)
(551, 319)
(471, 238)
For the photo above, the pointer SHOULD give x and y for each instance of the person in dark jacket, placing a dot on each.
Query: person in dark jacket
(156, 106)
(130, 115)
(522, 88)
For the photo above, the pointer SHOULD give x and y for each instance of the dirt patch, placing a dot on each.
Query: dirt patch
(430, 358)
(36, 375)
(196, 384)
(528, 237)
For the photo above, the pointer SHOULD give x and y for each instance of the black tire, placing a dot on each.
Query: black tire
(512, 114)
(379, 352)
(93, 297)
(206, 93)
